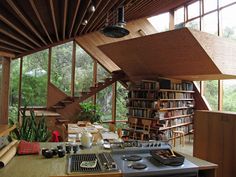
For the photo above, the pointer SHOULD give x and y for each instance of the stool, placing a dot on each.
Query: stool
(191, 132)
(178, 134)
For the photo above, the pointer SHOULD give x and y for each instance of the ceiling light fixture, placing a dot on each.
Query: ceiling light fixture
(85, 22)
(92, 7)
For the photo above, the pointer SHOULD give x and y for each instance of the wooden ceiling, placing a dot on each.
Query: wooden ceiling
(27, 26)
(183, 54)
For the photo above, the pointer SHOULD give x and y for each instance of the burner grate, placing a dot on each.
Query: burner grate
(77, 159)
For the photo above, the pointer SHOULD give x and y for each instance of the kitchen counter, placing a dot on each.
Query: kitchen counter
(38, 166)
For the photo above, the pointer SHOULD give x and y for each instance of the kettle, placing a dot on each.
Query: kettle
(86, 139)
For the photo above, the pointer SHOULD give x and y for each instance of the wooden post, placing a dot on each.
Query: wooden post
(73, 69)
(172, 21)
(19, 89)
(95, 67)
(114, 101)
(220, 95)
(202, 88)
(49, 72)
(5, 90)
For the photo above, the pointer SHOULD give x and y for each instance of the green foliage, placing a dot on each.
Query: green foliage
(31, 130)
(90, 112)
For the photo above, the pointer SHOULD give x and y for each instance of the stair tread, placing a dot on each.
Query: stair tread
(58, 106)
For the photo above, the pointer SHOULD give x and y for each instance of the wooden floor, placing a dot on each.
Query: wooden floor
(187, 148)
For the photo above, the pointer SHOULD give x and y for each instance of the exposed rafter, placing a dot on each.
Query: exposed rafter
(64, 18)
(54, 19)
(74, 17)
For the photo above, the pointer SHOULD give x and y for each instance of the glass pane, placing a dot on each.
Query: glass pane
(179, 15)
(210, 5)
(225, 2)
(229, 95)
(102, 73)
(197, 83)
(194, 24)
(211, 93)
(14, 88)
(209, 23)
(227, 23)
(104, 99)
(121, 96)
(83, 71)
(193, 10)
(34, 79)
(160, 22)
(61, 67)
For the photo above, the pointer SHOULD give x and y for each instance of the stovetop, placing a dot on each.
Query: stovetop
(153, 167)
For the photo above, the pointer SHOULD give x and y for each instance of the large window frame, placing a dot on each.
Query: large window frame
(202, 13)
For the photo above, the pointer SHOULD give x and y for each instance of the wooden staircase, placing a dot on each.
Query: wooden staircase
(69, 106)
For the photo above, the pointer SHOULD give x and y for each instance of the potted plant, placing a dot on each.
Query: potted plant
(89, 112)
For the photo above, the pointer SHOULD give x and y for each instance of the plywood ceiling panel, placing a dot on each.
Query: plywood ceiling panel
(174, 53)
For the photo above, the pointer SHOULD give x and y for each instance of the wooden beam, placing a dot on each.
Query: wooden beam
(12, 44)
(10, 49)
(171, 22)
(5, 32)
(73, 69)
(91, 14)
(74, 17)
(7, 54)
(40, 19)
(6, 63)
(202, 88)
(54, 18)
(83, 12)
(10, 24)
(96, 16)
(64, 18)
(114, 93)
(95, 69)
(220, 95)
(25, 20)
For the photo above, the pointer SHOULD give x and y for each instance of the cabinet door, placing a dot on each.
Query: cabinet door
(229, 147)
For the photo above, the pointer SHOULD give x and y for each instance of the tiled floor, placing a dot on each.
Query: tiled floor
(187, 148)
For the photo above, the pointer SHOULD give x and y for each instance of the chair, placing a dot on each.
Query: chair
(146, 129)
(132, 127)
(178, 134)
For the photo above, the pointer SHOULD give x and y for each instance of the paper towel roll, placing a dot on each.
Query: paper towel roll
(8, 153)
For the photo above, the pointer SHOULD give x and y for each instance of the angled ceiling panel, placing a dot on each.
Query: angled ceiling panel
(176, 54)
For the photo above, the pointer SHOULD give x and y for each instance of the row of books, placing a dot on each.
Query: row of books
(175, 95)
(145, 84)
(169, 133)
(141, 113)
(174, 104)
(173, 113)
(143, 94)
(170, 123)
(182, 86)
(142, 104)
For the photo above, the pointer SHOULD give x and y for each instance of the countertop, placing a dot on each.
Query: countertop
(38, 166)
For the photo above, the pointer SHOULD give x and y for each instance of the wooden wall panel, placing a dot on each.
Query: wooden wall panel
(90, 41)
(4, 99)
(215, 140)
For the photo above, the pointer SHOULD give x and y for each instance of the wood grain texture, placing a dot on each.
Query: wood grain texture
(215, 137)
(7, 54)
(5, 129)
(90, 41)
(174, 54)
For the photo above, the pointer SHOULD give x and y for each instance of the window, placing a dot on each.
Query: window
(121, 106)
(225, 2)
(209, 5)
(14, 90)
(193, 10)
(83, 71)
(179, 16)
(34, 79)
(61, 67)
(211, 93)
(229, 95)
(160, 22)
(104, 100)
(227, 23)
(210, 23)
(194, 24)
(102, 73)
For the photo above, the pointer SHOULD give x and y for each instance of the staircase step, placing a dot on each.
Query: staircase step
(100, 83)
(93, 88)
(66, 101)
(108, 79)
(58, 107)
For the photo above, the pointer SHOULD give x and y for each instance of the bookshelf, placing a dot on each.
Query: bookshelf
(176, 105)
(143, 100)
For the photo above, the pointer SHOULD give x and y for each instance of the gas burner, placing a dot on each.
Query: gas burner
(138, 166)
(132, 158)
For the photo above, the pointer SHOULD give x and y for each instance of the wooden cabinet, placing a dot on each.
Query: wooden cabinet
(215, 140)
